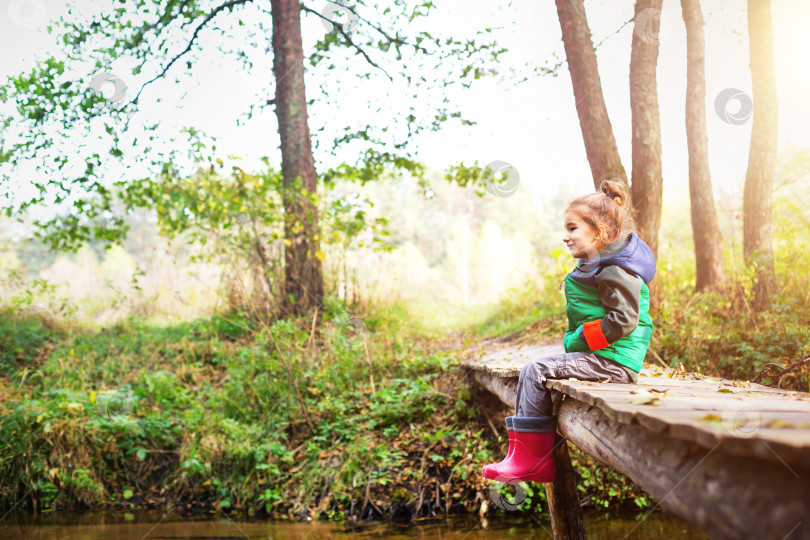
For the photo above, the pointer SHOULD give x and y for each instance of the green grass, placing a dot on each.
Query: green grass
(213, 411)
(264, 418)
(254, 418)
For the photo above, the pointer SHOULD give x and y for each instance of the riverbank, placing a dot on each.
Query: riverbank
(357, 421)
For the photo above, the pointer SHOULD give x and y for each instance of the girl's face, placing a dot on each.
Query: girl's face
(580, 237)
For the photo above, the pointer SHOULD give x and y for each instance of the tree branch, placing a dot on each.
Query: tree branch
(205, 21)
(348, 39)
(561, 63)
(383, 32)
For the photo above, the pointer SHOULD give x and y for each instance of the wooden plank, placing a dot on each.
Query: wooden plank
(680, 417)
(687, 387)
(691, 387)
(735, 462)
(699, 402)
(776, 430)
(503, 387)
(508, 362)
(727, 495)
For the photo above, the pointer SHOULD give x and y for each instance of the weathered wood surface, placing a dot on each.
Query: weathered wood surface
(508, 361)
(562, 496)
(752, 420)
(728, 496)
(730, 456)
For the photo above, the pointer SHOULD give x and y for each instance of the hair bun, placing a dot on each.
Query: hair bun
(614, 190)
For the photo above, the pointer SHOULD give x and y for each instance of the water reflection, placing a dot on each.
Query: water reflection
(161, 526)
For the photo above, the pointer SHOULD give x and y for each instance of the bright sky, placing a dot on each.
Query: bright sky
(532, 125)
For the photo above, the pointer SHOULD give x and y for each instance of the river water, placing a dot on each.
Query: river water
(156, 525)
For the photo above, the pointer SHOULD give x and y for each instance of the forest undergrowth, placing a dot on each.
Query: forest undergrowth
(335, 417)
(252, 418)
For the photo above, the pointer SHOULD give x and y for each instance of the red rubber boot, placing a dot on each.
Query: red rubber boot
(511, 433)
(531, 459)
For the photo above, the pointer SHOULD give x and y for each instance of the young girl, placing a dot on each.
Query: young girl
(609, 327)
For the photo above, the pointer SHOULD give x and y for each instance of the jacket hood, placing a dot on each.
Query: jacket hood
(635, 258)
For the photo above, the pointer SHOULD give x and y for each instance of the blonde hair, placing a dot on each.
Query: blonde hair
(605, 211)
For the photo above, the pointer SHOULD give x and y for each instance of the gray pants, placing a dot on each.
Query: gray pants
(534, 399)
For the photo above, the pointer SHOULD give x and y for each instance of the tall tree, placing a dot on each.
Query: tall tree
(600, 144)
(75, 136)
(710, 266)
(302, 271)
(758, 191)
(647, 185)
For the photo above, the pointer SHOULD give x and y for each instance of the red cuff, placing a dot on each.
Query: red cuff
(592, 330)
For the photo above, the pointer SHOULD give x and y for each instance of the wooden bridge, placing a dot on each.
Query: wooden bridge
(731, 457)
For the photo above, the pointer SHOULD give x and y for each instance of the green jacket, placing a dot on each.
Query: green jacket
(608, 303)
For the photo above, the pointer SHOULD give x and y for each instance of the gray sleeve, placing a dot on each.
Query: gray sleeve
(620, 294)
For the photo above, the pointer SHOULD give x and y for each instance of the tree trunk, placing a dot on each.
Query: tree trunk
(303, 274)
(758, 192)
(647, 181)
(600, 144)
(710, 267)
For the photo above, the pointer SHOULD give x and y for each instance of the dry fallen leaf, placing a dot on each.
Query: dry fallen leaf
(779, 424)
(644, 398)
